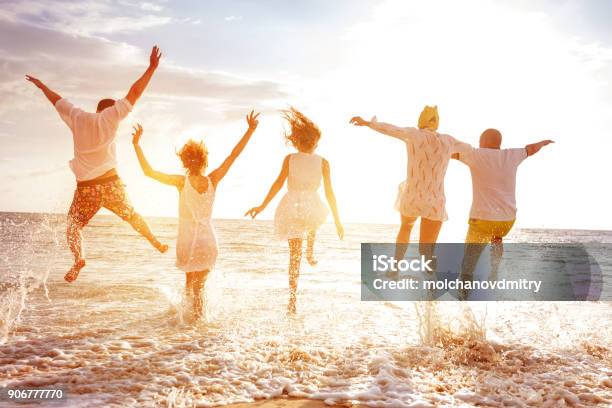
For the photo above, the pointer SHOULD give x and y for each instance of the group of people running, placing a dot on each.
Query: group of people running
(301, 211)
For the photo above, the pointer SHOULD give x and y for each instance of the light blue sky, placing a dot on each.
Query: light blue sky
(535, 69)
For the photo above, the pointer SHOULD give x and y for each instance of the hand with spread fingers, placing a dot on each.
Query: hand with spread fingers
(137, 134)
(252, 121)
(155, 57)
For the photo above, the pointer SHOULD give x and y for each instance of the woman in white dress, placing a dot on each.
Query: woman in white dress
(422, 194)
(301, 212)
(196, 247)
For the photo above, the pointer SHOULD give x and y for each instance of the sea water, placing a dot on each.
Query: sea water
(121, 336)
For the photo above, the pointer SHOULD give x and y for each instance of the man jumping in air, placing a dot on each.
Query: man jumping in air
(94, 163)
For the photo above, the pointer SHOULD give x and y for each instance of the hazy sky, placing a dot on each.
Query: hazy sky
(533, 69)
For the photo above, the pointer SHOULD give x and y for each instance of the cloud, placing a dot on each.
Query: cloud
(151, 7)
(233, 18)
(88, 68)
(85, 18)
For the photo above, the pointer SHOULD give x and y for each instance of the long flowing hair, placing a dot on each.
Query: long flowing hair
(303, 133)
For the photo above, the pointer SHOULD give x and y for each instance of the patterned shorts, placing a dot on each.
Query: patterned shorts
(108, 193)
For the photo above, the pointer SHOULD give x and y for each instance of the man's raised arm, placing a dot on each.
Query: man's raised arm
(535, 147)
(51, 96)
(140, 85)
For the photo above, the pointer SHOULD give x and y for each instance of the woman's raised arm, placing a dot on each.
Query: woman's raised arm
(221, 171)
(170, 179)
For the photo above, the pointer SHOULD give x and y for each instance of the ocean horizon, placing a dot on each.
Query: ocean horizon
(264, 219)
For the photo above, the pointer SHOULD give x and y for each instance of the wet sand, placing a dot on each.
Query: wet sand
(287, 403)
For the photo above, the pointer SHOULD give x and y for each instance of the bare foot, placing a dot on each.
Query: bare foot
(311, 260)
(73, 273)
(161, 247)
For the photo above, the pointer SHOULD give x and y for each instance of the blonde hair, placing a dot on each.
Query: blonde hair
(429, 119)
(304, 134)
(194, 156)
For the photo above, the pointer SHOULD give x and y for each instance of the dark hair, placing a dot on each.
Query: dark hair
(194, 156)
(105, 103)
(304, 134)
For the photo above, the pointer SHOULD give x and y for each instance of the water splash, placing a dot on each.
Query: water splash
(19, 278)
(461, 335)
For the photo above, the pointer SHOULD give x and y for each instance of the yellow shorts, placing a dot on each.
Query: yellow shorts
(484, 231)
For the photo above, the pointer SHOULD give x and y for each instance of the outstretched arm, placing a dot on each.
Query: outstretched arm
(221, 171)
(384, 128)
(276, 186)
(141, 83)
(172, 180)
(51, 96)
(535, 147)
(331, 198)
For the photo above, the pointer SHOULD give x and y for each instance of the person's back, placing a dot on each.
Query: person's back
(196, 247)
(194, 205)
(493, 182)
(305, 172)
(93, 136)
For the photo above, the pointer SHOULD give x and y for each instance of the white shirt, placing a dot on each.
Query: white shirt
(93, 136)
(493, 182)
(422, 195)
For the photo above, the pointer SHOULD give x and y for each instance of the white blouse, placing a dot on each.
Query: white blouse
(422, 194)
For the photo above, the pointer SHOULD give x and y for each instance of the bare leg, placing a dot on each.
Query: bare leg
(471, 255)
(75, 239)
(189, 285)
(475, 242)
(310, 248)
(199, 279)
(497, 251)
(295, 257)
(402, 240)
(430, 229)
(140, 225)
(114, 197)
